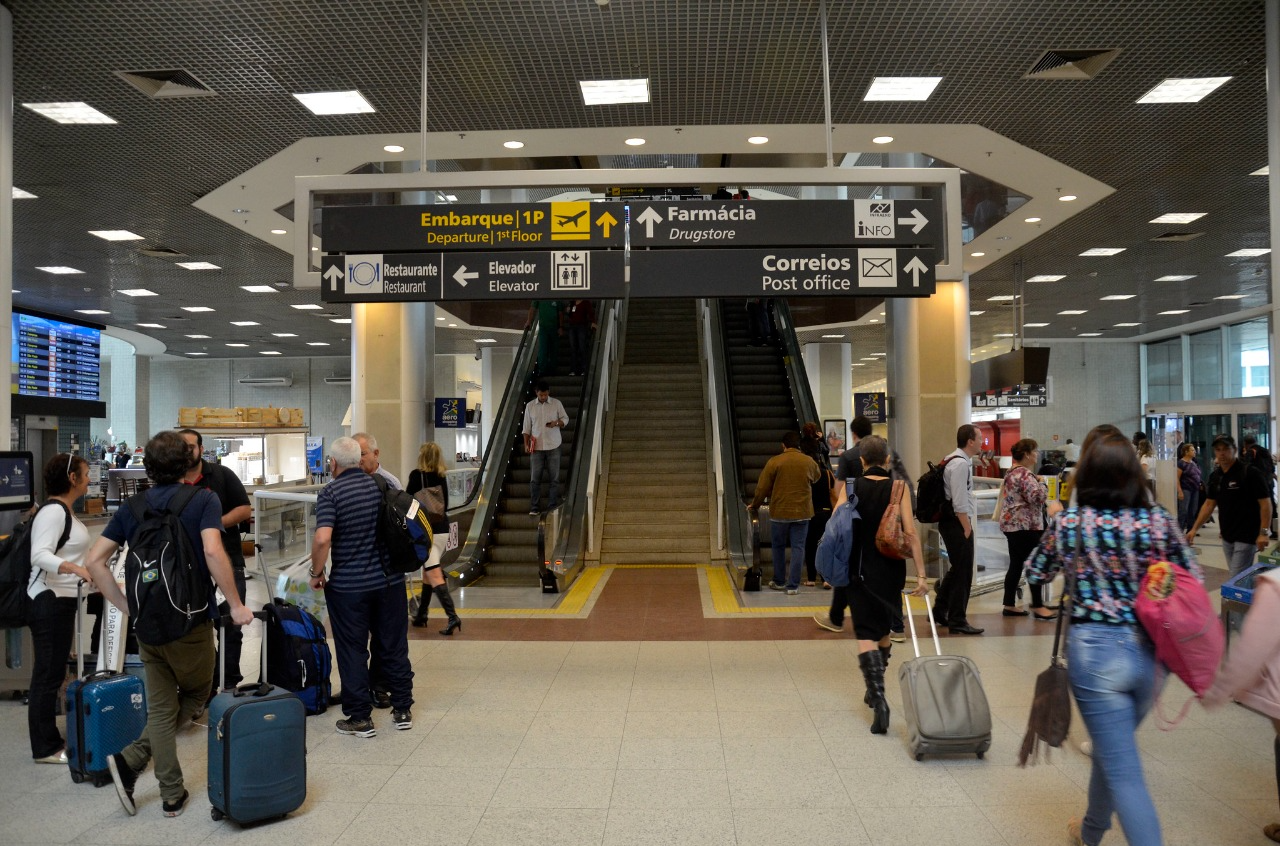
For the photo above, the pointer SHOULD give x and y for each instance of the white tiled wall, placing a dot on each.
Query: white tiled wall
(1092, 383)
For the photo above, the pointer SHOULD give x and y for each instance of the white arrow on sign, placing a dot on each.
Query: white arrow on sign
(649, 217)
(333, 274)
(462, 276)
(918, 219)
(915, 267)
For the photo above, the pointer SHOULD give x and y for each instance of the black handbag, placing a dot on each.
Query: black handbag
(751, 580)
(1050, 718)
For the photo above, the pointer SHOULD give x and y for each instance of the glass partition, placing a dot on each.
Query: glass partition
(1164, 371)
(1248, 362)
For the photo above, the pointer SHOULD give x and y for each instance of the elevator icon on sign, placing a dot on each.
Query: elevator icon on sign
(570, 272)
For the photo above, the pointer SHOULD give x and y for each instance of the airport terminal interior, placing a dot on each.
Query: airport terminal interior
(699, 226)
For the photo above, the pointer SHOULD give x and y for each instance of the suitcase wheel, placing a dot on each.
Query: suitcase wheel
(77, 777)
(217, 815)
(919, 756)
(980, 754)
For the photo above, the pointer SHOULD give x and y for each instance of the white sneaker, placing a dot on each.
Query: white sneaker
(792, 591)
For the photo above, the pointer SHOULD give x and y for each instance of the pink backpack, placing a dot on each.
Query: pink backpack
(1176, 611)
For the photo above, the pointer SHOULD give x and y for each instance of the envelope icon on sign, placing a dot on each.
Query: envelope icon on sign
(881, 208)
(877, 268)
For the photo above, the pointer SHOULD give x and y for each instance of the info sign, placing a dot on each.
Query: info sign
(498, 226)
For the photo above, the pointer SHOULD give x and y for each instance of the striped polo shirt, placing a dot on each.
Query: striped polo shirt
(349, 505)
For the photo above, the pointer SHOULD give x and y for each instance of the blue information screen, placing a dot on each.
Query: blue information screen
(17, 487)
(55, 359)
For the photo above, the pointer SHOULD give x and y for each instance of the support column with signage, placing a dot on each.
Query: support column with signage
(391, 382)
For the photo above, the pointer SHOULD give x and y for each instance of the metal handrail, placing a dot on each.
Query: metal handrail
(737, 528)
(793, 359)
(715, 390)
(607, 360)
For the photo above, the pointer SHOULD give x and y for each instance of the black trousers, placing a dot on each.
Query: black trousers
(1021, 545)
(953, 591)
(356, 619)
(52, 621)
(231, 641)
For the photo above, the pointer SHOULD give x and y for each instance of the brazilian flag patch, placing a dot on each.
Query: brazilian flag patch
(150, 575)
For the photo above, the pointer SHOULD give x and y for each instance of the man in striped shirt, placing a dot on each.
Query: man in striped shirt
(365, 603)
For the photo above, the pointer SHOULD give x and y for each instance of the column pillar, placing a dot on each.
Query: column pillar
(495, 372)
(829, 367)
(391, 384)
(130, 385)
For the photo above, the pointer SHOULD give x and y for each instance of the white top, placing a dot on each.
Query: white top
(537, 414)
(46, 528)
(958, 475)
(1073, 452)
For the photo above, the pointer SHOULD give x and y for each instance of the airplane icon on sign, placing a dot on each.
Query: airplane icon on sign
(570, 219)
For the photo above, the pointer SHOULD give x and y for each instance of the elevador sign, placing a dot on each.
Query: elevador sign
(675, 248)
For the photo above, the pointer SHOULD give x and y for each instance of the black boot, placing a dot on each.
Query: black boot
(872, 664)
(867, 699)
(446, 602)
(424, 605)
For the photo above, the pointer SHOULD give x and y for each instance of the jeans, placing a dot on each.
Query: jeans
(547, 460)
(1113, 675)
(784, 533)
(358, 619)
(1239, 556)
(179, 676)
(952, 607)
(1188, 508)
(817, 525)
(1020, 546)
(52, 621)
(231, 639)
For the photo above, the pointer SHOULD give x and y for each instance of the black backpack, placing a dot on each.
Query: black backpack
(167, 589)
(405, 529)
(298, 656)
(932, 503)
(17, 574)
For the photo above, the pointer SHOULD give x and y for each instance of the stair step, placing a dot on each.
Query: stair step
(652, 516)
(655, 532)
(654, 557)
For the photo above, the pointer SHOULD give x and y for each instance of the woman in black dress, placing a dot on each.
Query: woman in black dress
(429, 476)
(876, 581)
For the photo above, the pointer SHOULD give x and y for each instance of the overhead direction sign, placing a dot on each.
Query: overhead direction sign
(498, 226)
(816, 223)
(434, 277)
(792, 272)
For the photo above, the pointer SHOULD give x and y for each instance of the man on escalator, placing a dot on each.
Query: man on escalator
(544, 417)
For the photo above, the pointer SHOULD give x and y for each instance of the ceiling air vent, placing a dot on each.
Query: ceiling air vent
(166, 84)
(267, 381)
(160, 252)
(1178, 236)
(337, 380)
(1070, 64)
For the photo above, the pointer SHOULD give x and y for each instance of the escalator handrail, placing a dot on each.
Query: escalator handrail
(709, 326)
(738, 529)
(801, 391)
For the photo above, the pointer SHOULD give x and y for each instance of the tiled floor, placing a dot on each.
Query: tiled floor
(647, 724)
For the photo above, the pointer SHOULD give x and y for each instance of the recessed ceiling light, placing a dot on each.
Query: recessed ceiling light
(340, 320)
(279, 232)
(197, 353)
(1066, 198)
(306, 306)
(269, 352)
(453, 326)
(1032, 219)
(1048, 277)
(1176, 278)
(1075, 311)
(1231, 297)
(284, 334)
(441, 319)
(267, 289)
(237, 345)
(335, 102)
(1252, 252)
(315, 249)
(19, 194)
(1035, 325)
(882, 139)
(196, 309)
(902, 87)
(1179, 217)
(137, 292)
(393, 148)
(486, 340)
(1119, 296)
(1127, 325)
(1265, 170)
(873, 320)
(69, 112)
(198, 265)
(978, 254)
(59, 270)
(317, 343)
(513, 145)
(245, 323)
(858, 364)
(1183, 90)
(868, 358)
(91, 311)
(1003, 335)
(1090, 335)
(758, 139)
(604, 92)
(152, 325)
(634, 142)
(198, 337)
(1002, 298)
(115, 234)
(453, 198)
(976, 313)
(1103, 251)
(1176, 311)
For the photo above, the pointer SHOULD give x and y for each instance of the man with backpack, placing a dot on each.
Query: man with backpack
(174, 533)
(956, 526)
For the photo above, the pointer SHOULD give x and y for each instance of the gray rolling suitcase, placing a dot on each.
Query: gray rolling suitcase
(943, 702)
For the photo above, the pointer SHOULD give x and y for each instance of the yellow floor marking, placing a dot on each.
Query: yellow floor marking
(724, 596)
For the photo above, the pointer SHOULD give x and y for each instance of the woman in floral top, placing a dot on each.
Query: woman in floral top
(1107, 541)
(1022, 515)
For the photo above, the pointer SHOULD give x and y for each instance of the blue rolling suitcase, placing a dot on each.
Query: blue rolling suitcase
(106, 711)
(257, 749)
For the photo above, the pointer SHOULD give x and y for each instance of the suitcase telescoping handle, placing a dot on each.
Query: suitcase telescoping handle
(262, 688)
(911, 622)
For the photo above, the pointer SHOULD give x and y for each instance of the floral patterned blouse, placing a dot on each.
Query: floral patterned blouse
(1024, 497)
(1118, 547)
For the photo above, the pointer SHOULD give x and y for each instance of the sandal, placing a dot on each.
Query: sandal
(826, 585)
(809, 584)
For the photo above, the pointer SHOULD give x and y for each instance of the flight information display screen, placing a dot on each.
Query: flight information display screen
(55, 359)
